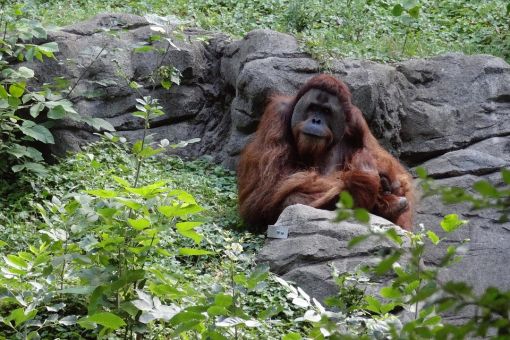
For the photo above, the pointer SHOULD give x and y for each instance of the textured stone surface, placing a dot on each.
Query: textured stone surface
(316, 244)
(449, 113)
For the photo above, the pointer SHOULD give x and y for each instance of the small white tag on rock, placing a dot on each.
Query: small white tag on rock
(277, 231)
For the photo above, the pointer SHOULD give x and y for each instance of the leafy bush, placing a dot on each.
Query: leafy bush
(26, 113)
(373, 29)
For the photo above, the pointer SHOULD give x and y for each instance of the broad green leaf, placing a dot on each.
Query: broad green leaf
(129, 203)
(134, 85)
(149, 151)
(362, 215)
(373, 304)
(103, 193)
(223, 300)
(178, 210)
(37, 132)
(98, 123)
(121, 181)
(421, 172)
(397, 10)
(385, 265)
(292, 336)
(414, 12)
(57, 112)
(346, 200)
(19, 316)
(166, 84)
(36, 168)
(143, 49)
(433, 237)
(105, 319)
(217, 310)
(139, 224)
(188, 225)
(505, 173)
(194, 252)
(196, 237)
(36, 109)
(15, 261)
(183, 196)
(394, 236)
(390, 293)
(486, 189)
(25, 72)
(356, 240)
(16, 90)
(452, 222)
(3, 92)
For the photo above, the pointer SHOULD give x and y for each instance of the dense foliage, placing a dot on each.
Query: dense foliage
(115, 242)
(373, 29)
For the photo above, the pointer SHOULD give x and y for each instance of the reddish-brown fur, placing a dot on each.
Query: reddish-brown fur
(273, 175)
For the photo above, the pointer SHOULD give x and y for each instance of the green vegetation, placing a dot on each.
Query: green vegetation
(115, 242)
(373, 29)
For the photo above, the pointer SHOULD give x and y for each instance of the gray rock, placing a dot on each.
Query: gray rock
(453, 101)
(316, 244)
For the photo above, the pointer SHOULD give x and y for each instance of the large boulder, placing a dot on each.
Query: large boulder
(316, 244)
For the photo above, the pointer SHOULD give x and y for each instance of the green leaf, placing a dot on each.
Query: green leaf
(346, 200)
(57, 112)
(362, 215)
(103, 193)
(356, 240)
(16, 90)
(188, 225)
(414, 12)
(105, 319)
(167, 84)
(139, 224)
(186, 230)
(37, 132)
(3, 92)
(98, 123)
(373, 304)
(47, 49)
(452, 222)
(143, 49)
(36, 109)
(505, 173)
(25, 72)
(217, 310)
(121, 181)
(486, 189)
(292, 336)
(134, 85)
(223, 300)
(433, 237)
(36, 168)
(194, 252)
(129, 203)
(421, 172)
(177, 210)
(385, 265)
(394, 236)
(15, 261)
(390, 293)
(397, 10)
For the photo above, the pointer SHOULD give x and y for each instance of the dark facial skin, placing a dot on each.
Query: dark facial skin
(319, 115)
